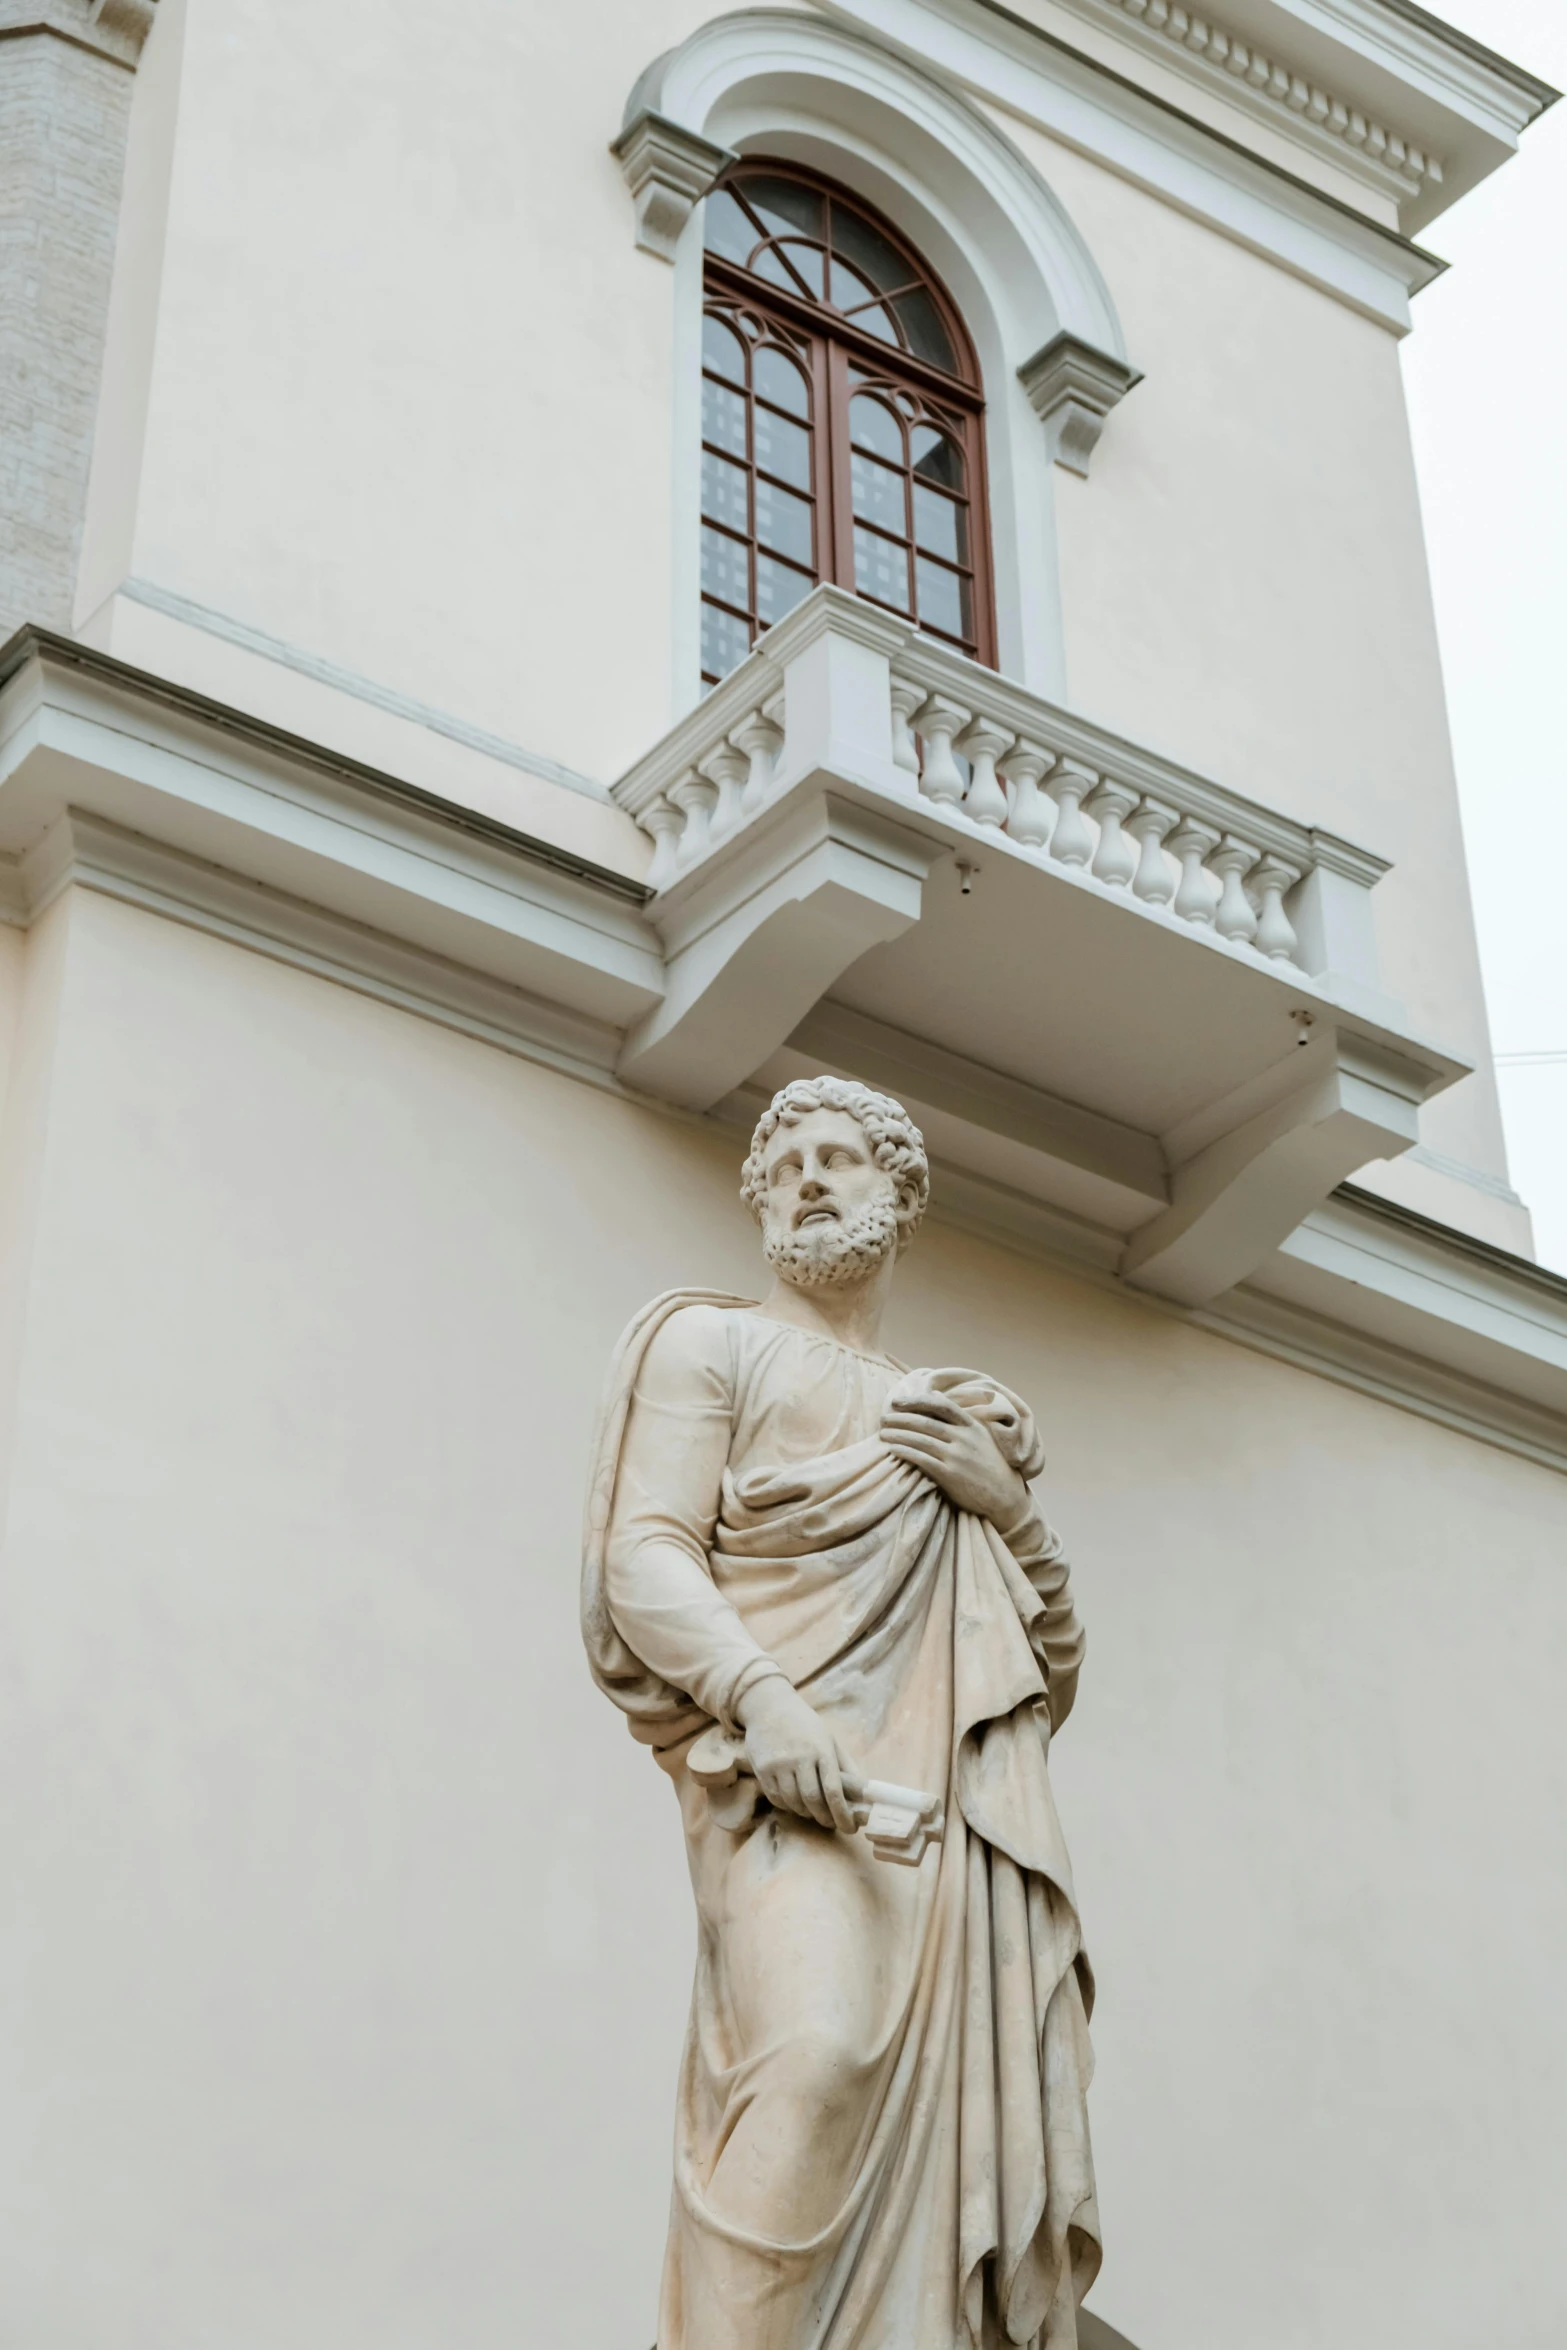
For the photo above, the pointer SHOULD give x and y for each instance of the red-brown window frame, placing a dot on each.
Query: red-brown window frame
(834, 344)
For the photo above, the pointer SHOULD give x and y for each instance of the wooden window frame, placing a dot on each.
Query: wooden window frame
(833, 347)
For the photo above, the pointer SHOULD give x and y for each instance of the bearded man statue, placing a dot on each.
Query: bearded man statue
(818, 1586)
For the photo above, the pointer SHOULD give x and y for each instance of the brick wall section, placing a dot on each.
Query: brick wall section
(65, 93)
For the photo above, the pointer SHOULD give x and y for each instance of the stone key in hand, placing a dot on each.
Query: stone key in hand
(899, 1822)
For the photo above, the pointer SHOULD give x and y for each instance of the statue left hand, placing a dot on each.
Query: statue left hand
(958, 1453)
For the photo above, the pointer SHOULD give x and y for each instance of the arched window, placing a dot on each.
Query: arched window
(842, 420)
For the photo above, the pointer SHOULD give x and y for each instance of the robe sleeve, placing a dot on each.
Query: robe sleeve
(1056, 1637)
(658, 1581)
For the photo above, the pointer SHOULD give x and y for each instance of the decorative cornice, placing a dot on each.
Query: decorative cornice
(669, 170)
(85, 851)
(69, 656)
(1480, 1343)
(115, 29)
(1072, 388)
(1208, 53)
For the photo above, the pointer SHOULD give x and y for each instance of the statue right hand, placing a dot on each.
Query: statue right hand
(798, 1763)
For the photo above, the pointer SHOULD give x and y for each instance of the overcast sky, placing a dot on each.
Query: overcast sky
(1486, 368)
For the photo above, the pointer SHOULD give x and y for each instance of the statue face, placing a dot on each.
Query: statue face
(830, 1214)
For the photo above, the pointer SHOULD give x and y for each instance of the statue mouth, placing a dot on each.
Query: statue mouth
(817, 1215)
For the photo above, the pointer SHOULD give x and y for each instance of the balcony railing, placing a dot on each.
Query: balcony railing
(990, 757)
(1117, 1031)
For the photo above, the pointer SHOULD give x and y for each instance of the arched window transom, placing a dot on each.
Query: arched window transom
(842, 421)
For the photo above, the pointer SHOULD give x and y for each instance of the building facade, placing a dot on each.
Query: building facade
(563, 567)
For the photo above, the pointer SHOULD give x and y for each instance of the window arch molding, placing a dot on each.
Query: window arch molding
(767, 83)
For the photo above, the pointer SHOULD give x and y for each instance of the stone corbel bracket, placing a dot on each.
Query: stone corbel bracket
(116, 29)
(668, 170)
(1072, 388)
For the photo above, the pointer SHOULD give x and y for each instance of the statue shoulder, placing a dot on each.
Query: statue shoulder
(692, 1339)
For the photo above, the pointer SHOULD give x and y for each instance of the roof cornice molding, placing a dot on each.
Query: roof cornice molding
(1216, 56)
(1063, 88)
(1431, 54)
(1414, 111)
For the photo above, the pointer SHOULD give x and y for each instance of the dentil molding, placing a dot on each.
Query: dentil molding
(1072, 388)
(668, 169)
(1209, 52)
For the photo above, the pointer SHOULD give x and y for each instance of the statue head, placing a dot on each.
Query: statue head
(838, 1180)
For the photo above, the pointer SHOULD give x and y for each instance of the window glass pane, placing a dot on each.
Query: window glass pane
(944, 599)
(778, 379)
(725, 228)
(783, 204)
(778, 589)
(876, 321)
(868, 250)
(783, 521)
(881, 569)
(878, 493)
(808, 261)
(724, 492)
(940, 524)
(849, 289)
(725, 568)
(725, 641)
(723, 418)
(873, 426)
(783, 448)
(927, 337)
(722, 349)
(937, 457)
(770, 264)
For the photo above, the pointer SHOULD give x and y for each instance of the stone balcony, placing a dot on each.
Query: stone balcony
(1124, 998)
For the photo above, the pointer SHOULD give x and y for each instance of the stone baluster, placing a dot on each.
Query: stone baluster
(664, 822)
(906, 699)
(941, 778)
(1115, 859)
(1072, 842)
(696, 799)
(982, 745)
(1154, 880)
(727, 768)
(759, 740)
(1195, 896)
(1234, 917)
(1275, 932)
(1028, 822)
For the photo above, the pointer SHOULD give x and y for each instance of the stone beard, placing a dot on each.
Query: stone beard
(832, 1255)
(882, 2138)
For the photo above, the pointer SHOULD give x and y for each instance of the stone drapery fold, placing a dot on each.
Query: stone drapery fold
(884, 1605)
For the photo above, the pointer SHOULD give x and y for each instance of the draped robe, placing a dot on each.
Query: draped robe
(881, 2138)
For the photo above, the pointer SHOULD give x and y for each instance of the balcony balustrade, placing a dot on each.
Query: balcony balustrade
(1105, 981)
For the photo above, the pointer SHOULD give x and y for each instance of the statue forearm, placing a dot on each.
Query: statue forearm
(668, 1611)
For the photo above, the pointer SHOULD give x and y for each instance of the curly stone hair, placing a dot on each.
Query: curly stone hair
(897, 1145)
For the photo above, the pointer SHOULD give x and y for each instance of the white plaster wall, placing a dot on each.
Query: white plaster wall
(409, 403)
(345, 1931)
(410, 409)
(1244, 585)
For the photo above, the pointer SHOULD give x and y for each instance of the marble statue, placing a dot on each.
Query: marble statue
(819, 1587)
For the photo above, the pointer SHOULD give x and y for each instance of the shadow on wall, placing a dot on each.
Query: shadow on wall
(1094, 2334)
